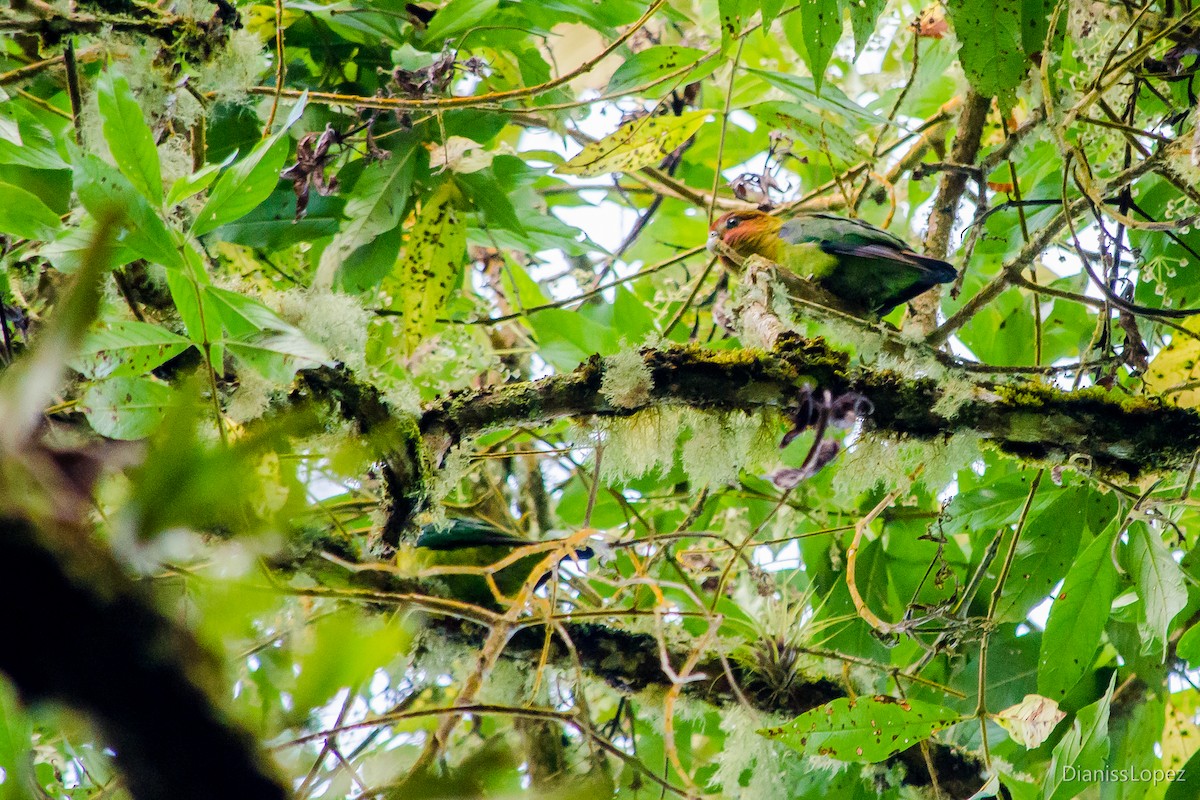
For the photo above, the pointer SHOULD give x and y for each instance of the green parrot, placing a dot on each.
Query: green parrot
(475, 543)
(868, 269)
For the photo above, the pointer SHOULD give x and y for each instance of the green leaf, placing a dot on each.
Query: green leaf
(69, 249)
(814, 33)
(250, 181)
(103, 189)
(863, 16)
(186, 186)
(989, 33)
(379, 198)
(129, 137)
(16, 747)
(37, 149)
(1035, 24)
(10, 131)
(24, 215)
(770, 10)
(566, 339)
(197, 309)
(1160, 585)
(487, 195)
(636, 144)
(1047, 548)
(456, 16)
(243, 186)
(126, 349)
(1189, 646)
(424, 277)
(867, 730)
(1077, 620)
(126, 408)
(277, 355)
(732, 15)
(655, 63)
(1081, 752)
(997, 503)
(830, 99)
(273, 226)
(242, 315)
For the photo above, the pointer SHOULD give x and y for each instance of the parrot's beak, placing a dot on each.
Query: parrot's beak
(713, 238)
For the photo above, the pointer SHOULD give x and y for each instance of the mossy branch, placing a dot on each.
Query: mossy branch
(1027, 420)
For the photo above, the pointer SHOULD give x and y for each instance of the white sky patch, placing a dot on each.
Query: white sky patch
(787, 558)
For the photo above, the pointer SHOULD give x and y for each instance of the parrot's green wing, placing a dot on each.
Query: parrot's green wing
(859, 263)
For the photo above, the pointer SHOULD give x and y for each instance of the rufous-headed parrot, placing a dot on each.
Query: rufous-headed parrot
(868, 269)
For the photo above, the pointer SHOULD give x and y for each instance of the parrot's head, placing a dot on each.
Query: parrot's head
(747, 233)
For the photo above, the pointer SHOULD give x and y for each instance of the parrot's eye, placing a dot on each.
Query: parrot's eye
(732, 223)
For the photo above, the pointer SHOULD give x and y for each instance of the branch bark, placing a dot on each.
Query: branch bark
(1027, 420)
(923, 313)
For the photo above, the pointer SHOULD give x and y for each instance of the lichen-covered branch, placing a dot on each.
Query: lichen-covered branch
(1031, 421)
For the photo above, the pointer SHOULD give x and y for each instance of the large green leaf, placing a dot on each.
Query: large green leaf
(1047, 549)
(37, 148)
(249, 181)
(379, 198)
(1077, 619)
(813, 33)
(105, 191)
(1160, 584)
(989, 33)
(129, 137)
(868, 729)
(24, 215)
(458, 15)
(127, 348)
(1080, 755)
(430, 267)
(655, 63)
(126, 408)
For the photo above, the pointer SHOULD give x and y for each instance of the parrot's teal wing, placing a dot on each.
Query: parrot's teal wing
(865, 266)
(460, 533)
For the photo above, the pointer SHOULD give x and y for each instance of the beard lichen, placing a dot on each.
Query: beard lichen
(875, 459)
(627, 381)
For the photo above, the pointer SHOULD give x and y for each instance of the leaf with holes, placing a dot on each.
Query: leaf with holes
(1077, 620)
(990, 51)
(129, 138)
(429, 269)
(867, 730)
(636, 144)
(125, 408)
(127, 349)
